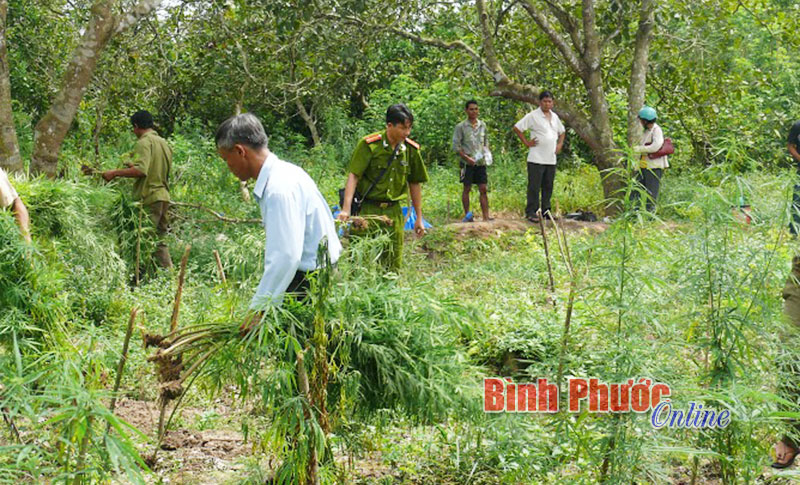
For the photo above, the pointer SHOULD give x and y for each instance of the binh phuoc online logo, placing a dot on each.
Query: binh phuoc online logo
(593, 395)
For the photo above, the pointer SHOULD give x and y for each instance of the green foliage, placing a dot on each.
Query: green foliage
(31, 291)
(136, 233)
(690, 296)
(401, 346)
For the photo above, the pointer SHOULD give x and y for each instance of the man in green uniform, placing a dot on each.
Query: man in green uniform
(404, 176)
(789, 367)
(151, 167)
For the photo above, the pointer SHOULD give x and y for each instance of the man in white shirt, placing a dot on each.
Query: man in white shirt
(295, 215)
(546, 139)
(10, 198)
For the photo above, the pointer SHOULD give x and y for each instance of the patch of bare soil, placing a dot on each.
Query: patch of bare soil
(504, 223)
(187, 456)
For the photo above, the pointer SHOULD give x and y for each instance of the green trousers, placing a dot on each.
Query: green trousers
(159, 214)
(789, 358)
(391, 257)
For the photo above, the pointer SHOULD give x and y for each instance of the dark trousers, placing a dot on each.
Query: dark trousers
(540, 180)
(299, 285)
(794, 225)
(651, 180)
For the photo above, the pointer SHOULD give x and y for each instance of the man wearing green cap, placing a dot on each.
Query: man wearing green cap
(151, 168)
(650, 169)
(384, 168)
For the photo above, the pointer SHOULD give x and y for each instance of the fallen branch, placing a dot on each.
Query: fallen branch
(216, 214)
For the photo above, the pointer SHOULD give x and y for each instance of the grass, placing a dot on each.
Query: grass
(691, 298)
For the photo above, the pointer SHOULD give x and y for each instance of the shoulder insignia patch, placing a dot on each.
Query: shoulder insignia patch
(412, 143)
(372, 138)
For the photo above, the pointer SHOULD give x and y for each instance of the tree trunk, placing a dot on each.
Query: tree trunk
(312, 125)
(638, 83)
(9, 146)
(608, 163)
(52, 128)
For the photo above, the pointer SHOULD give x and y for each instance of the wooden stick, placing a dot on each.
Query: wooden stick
(122, 360)
(173, 323)
(302, 382)
(546, 251)
(565, 337)
(162, 413)
(163, 401)
(139, 245)
(563, 244)
(219, 267)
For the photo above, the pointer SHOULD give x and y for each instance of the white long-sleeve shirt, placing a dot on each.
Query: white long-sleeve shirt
(7, 193)
(296, 218)
(652, 140)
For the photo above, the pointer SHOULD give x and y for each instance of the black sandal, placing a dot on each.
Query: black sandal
(781, 465)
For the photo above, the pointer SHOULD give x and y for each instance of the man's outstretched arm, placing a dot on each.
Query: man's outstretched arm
(130, 172)
(23, 218)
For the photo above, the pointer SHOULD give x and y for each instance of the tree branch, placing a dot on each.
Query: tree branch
(452, 45)
(567, 22)
(591, 41)
(491, 61)
(501, 14)
(567, 52)
(141, 9)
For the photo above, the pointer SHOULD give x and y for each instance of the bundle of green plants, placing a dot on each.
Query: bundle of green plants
(69, 220)
(31, 290)
(57, 208)
(136, 234)
(361, 343)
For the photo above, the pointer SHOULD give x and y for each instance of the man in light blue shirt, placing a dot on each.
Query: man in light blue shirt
(295, 215)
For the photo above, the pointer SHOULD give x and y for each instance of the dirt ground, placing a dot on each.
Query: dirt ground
(213, 456)
(188, 456)
(507, 222)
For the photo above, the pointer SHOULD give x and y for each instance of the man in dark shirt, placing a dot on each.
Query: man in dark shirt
(794, 150)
